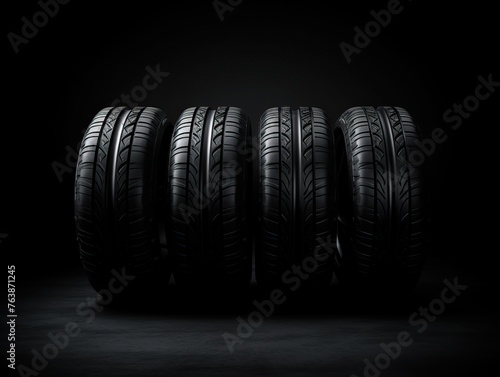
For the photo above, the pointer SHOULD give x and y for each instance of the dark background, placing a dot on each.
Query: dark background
(264, 54)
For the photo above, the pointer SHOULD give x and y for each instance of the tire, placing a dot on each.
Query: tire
(208, 199)
(118, 197)
(296, 197)
(381, 197)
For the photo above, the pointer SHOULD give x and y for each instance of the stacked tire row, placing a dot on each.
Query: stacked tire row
(152, 199)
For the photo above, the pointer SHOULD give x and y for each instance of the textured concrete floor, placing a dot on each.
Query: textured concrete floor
(322, 335)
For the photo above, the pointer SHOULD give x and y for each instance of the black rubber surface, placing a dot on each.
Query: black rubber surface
(118, 206)
(297, 192)
(382, 198)
(209, 179)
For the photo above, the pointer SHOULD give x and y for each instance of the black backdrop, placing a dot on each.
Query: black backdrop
(263, 54)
